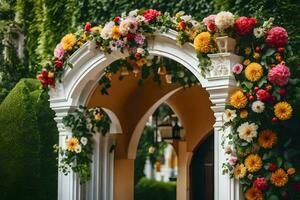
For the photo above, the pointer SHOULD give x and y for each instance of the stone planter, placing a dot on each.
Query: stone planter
(225, 44)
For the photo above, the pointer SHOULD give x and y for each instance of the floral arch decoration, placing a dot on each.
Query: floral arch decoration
(262, 117)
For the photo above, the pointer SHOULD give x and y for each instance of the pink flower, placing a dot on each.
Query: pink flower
(139, 39)
(279, 75)
(244, 25)
(232, 160)
(237, 68)
(59, 52)
(260, 183)
(277, 37)
(210, 23)
(263, 95)
(151, 14)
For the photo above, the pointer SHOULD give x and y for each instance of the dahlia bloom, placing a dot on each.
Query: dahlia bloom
(253, 163)
(244, 25)
(279, 75)
(237, 68)
(210, 23)
(59, 51)
(263, 95)
(202, 42)
(139, 39)
(224, 20)
(254, 193)
(260, 183)
(277, 37)
(247, 131)
(279, 178)
(151, 14)
(68, 42)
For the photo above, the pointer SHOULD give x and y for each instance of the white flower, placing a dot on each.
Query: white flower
(195, 23)
(229, 115)
(128, 25)
(140, 18)
(140, 51)
(224, 20)
(247, 131)
(186, 18)
(78, 149)
(258, 32)
(258, 106)
(106, 32)
(133, 13)
(83, 140)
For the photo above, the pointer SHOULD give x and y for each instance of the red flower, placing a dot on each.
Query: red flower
(211, 27)
(281, 92)
(51, 82)
(58, 64)
(263, 95)
(272, 167)
(137, 56)
(130, 36)
(117, 19)
(277, 37)
(244, 25)
(182, 25)
(260, 183)
(88, 27)
(45, 73)
(151, 14)
(297, 186)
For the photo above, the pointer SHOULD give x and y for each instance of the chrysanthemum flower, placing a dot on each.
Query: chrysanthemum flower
(72, 143)
(238, 100)
(254, 194)
(68, 42)
(229, 115)
(244, 114)
(258, 106)
(267, 139)
(283, 110)
(279, 178)
(247, 131)
(253, 163)
(240, 171)
(202, 42)
(254, 72)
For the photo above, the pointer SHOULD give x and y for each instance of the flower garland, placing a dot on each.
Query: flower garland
(79, 147)
(261, 118)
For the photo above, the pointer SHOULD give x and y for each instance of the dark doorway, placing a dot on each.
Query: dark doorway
(202, 171)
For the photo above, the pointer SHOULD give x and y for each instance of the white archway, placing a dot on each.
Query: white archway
(88, 66)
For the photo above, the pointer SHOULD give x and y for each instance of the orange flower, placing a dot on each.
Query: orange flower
(254, 194)
(267, 139)
(244, 114)
(238, 100)
(72, 143)
(291, 171)
(253, 163)
(279, 178)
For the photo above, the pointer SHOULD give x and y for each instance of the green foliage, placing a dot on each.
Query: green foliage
(27, 133)
(148, 189)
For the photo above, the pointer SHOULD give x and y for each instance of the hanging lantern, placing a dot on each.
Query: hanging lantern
(170, 131)
(162, 70)
(169, 78)
(124, 71)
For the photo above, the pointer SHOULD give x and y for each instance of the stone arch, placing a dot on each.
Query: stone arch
(88, 66)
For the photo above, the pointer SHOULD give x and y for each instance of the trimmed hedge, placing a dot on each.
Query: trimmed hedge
(27, 133)
(148, 189)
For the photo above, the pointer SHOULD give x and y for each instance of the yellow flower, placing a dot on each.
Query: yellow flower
(108, 75)
(240, 171)
(141, 62)
(96, 29)
(254, 72)
(179, 14)
(283, 110)
(279, 178)
(254, 194)
(244, 114)
(267, 139)
(68, 41)
(253, 163)
(116, 33)
(202, 42)
(50, 74)
(291, 171)
(256, 55)
(238, 100)
(247, 62)
(98, 116)
(72, 143)
(247, 50)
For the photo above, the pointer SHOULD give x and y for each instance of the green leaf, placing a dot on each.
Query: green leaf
(273, 197)
(247, 84)
(269, 52)
(279, 162)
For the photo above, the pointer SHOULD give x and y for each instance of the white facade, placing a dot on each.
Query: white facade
(79, 82)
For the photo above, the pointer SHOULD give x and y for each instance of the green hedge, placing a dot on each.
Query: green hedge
(148, 189)
(27, 134)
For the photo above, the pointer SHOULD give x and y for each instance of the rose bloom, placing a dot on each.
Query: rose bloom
(237, 68)
(59, 51)
(260, 183)
(210, 23)
(224, 20)
(279, 75)
(151, 14)
(263, 95)
(277, 37)
(232, 160)
(244, 25)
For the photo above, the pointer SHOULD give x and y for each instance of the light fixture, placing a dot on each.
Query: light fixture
(170, 131)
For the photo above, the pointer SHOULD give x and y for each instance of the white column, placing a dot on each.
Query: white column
(68, 185)
(221, 83)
